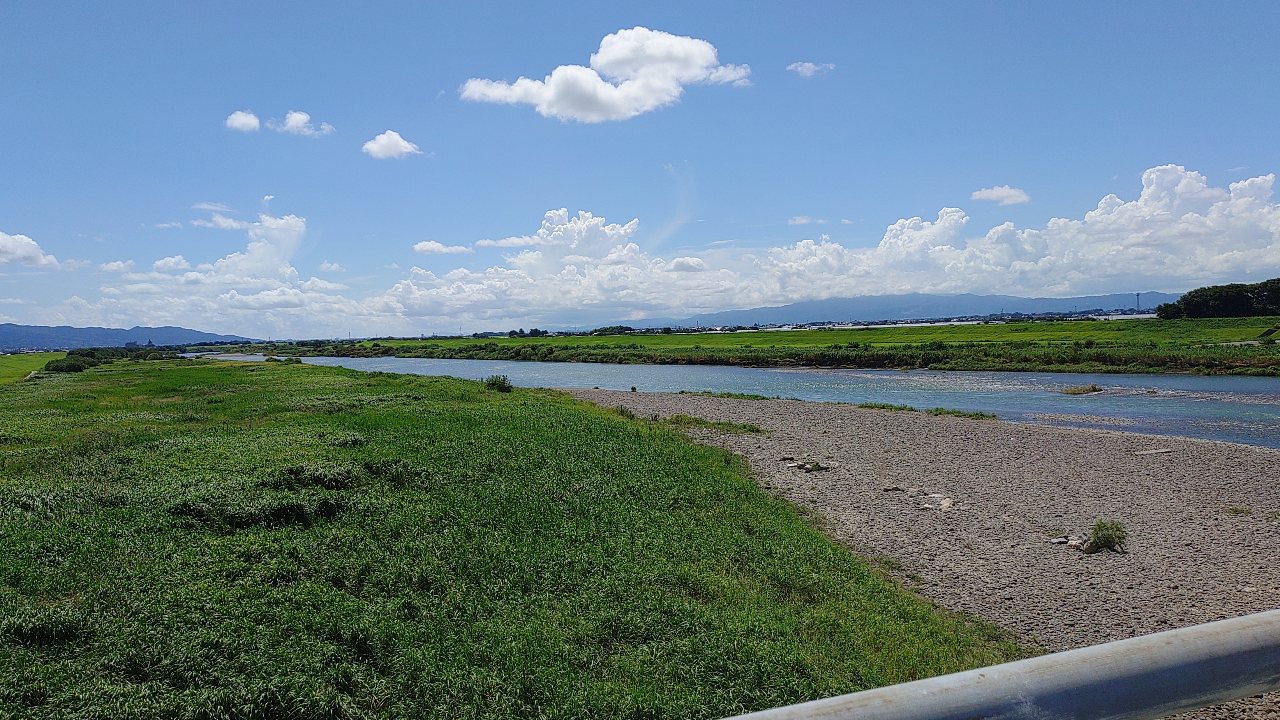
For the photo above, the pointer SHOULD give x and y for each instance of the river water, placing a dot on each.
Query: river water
(1236, 409)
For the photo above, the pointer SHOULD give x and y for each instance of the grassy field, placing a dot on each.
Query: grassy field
(186, 539)
(1244, 346)
(15, 367)
(1160, 332)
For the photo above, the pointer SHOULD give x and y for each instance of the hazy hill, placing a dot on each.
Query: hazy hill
(65, 337)
(914, 306)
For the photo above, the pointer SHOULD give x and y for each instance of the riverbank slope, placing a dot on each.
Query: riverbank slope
(965, 510)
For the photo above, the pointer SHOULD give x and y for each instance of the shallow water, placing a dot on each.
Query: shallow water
(1236, 409)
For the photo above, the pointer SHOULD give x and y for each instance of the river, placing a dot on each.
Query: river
(1235, 409)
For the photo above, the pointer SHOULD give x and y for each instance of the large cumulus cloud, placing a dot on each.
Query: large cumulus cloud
(1179, 232)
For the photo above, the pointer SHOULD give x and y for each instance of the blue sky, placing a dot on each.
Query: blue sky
(767, 153)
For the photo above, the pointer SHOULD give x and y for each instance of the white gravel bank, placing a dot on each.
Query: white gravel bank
(966, 509)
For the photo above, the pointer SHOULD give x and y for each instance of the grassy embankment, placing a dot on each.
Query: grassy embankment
(1198, 346)
(16, 367)
(189, 539)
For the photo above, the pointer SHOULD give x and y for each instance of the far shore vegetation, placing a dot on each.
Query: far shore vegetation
(1235, 346)
(202, 539)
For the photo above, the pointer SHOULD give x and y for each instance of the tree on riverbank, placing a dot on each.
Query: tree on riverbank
(1232, 300)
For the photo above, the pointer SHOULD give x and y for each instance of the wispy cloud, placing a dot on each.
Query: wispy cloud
(809, 69)
(212, 207)
(431, 247)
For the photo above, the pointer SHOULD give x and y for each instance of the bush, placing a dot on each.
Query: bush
(501, 383)
(70, 364)
(1107, 535)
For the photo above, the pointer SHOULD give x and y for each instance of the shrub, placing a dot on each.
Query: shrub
(501, 383)
(1107, 535)
(70, 364)
(1081, 390)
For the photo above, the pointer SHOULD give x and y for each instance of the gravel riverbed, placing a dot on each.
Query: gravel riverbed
(963, 511)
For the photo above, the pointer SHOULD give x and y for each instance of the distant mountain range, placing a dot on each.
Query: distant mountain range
(63, 337)
(915, 306)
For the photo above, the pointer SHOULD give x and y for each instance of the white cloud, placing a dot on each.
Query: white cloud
(633, 72)
(171, 263)
(268, 198)
(687, 264)
(805, 220)
(167, 226)
(578, 267)
(212, 207)
(1002, 194)
(297, 122)
(243, 121)
(22, 250)
(1178, 232)
(327, 266)
(431, 247)
(808, 69)
(221, 222)
(846, 221)
(316, 284)
(389, 146)
(254, 291)
(275, 299)
(116, 266)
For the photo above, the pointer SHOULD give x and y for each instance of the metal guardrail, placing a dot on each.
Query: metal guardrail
(1144, 677)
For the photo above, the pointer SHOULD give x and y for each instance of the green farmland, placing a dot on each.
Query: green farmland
(1211, 346)
(189, 539)
(15, 367)
(1178, 332)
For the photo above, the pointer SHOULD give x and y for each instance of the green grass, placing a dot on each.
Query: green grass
(186, 539)
(971, 414)
(1081, 390)
(16, 367)
(886, 406)
(1195, 346)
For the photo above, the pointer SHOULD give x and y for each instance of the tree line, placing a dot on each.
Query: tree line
(1232, 300)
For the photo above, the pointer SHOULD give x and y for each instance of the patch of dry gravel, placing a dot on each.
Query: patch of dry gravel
(977, 503)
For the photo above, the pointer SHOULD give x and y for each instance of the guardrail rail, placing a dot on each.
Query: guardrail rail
(1151, 676)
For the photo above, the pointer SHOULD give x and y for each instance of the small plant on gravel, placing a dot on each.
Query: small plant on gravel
(1237, 510)
(971, 414)
(886, 406)
(501, 383)
(1106, 535)
(1081, 390)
